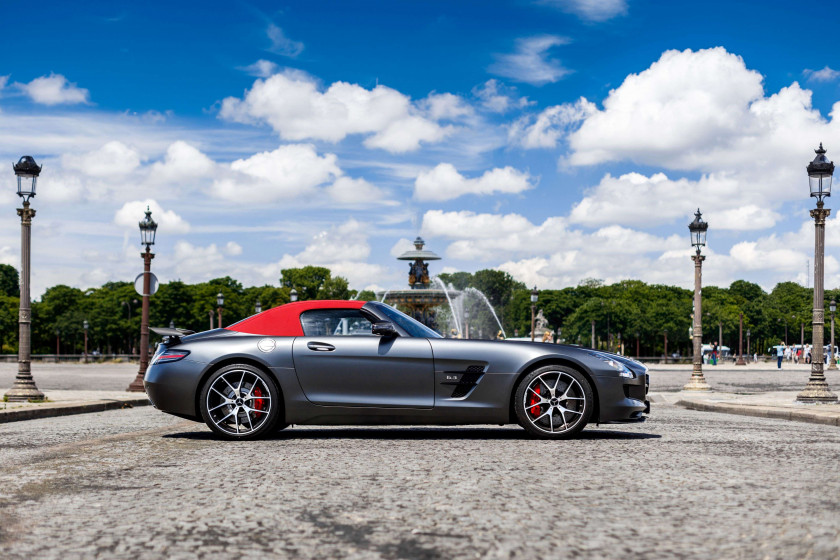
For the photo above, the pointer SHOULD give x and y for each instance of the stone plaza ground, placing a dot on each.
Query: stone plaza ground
(137, 483)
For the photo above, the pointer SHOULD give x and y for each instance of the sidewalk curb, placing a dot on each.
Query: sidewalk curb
(829, 418)
(58, 409)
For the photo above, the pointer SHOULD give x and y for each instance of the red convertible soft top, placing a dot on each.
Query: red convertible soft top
(285, 320)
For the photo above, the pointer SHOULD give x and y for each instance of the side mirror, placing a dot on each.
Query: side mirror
(385, 329)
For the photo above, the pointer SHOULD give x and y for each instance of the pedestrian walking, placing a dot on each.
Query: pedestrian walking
(780, 353)
(787, 352)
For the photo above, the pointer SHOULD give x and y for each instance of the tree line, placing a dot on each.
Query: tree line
(623, 313)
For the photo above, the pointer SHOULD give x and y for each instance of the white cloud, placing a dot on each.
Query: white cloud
(194, 263)
(282, 45)
(233, 248)
(552, 254)
(499, 98)
(401, 246)
(702, 111)
(292, 104)
(550, 125)
(634, 199)
(445, 106)
(346, 190)
(54, 90)
(825, 75)
(112, 159)
(443, 182)
(686, 102)
(3, 81)
(289, 171)
(590, 10)
(530, 63)
(132, 213)
(182, 161)
(262, 68)
(344, 249)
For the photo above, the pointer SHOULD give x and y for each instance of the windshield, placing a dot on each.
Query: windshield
(413, 328)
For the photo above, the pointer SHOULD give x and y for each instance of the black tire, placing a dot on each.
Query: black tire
(559, 404)
(240, 402)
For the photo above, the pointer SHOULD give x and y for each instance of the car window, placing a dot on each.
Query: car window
(413, 328)
(334, 322)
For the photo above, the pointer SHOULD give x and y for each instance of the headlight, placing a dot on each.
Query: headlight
(623, 371)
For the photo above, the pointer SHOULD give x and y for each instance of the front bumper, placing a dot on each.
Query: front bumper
(622, 400)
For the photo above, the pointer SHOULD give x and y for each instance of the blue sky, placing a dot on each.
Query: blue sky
(554, 139)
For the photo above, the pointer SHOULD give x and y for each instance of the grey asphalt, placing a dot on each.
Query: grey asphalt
(139, 484)
(730, 379)
(74, 376)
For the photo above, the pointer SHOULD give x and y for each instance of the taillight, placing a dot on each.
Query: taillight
(171, 356)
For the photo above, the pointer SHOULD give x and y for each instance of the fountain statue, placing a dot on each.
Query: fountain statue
(438, 305)
(420, 300)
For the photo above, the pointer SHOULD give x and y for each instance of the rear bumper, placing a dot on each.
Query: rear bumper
(172, 387)
(622, 400)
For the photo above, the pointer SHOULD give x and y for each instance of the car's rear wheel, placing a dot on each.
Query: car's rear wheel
(240, 401)
(554, 402)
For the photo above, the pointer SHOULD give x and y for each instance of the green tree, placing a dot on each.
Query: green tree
(9, 281)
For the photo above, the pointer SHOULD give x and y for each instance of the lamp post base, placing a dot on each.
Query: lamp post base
(740, 361)
(24, 390)
(816, 391)
(696, 384)
(137, 385)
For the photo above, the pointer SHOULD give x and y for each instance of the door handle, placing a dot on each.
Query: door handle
(320, 347)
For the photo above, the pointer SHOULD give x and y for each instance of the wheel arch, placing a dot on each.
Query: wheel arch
(555, 361)
(230, 360)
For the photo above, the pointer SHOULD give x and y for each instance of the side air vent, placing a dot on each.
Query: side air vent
(469, 379)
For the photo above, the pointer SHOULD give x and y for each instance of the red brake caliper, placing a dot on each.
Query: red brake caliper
(533, 405)
(259, 404)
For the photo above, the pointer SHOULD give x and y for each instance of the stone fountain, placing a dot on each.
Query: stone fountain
(420, 300)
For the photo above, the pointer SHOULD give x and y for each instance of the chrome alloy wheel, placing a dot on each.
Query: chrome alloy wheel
(238, 402)
(554, 402)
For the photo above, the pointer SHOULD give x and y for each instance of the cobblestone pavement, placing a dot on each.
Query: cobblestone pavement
(140, 484)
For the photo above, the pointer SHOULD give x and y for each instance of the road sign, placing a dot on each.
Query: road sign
(153, 284)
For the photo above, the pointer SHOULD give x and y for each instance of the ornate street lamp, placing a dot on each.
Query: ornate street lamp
(697, 230)
(832, 306)
(637, 344)
(148, 230)
(85, 326)
(820, 172)
(535, 295)
(24, 388)
(665, 334)
(57, 344)
(258, 307)
(220, 302)
(293, 295)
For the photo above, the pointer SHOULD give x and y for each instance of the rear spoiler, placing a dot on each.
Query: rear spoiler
(171, 336)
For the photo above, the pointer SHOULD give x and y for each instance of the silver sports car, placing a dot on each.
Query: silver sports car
(352, 362)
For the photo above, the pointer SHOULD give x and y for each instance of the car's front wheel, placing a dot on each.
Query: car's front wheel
(554, 402)
(240, 401)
